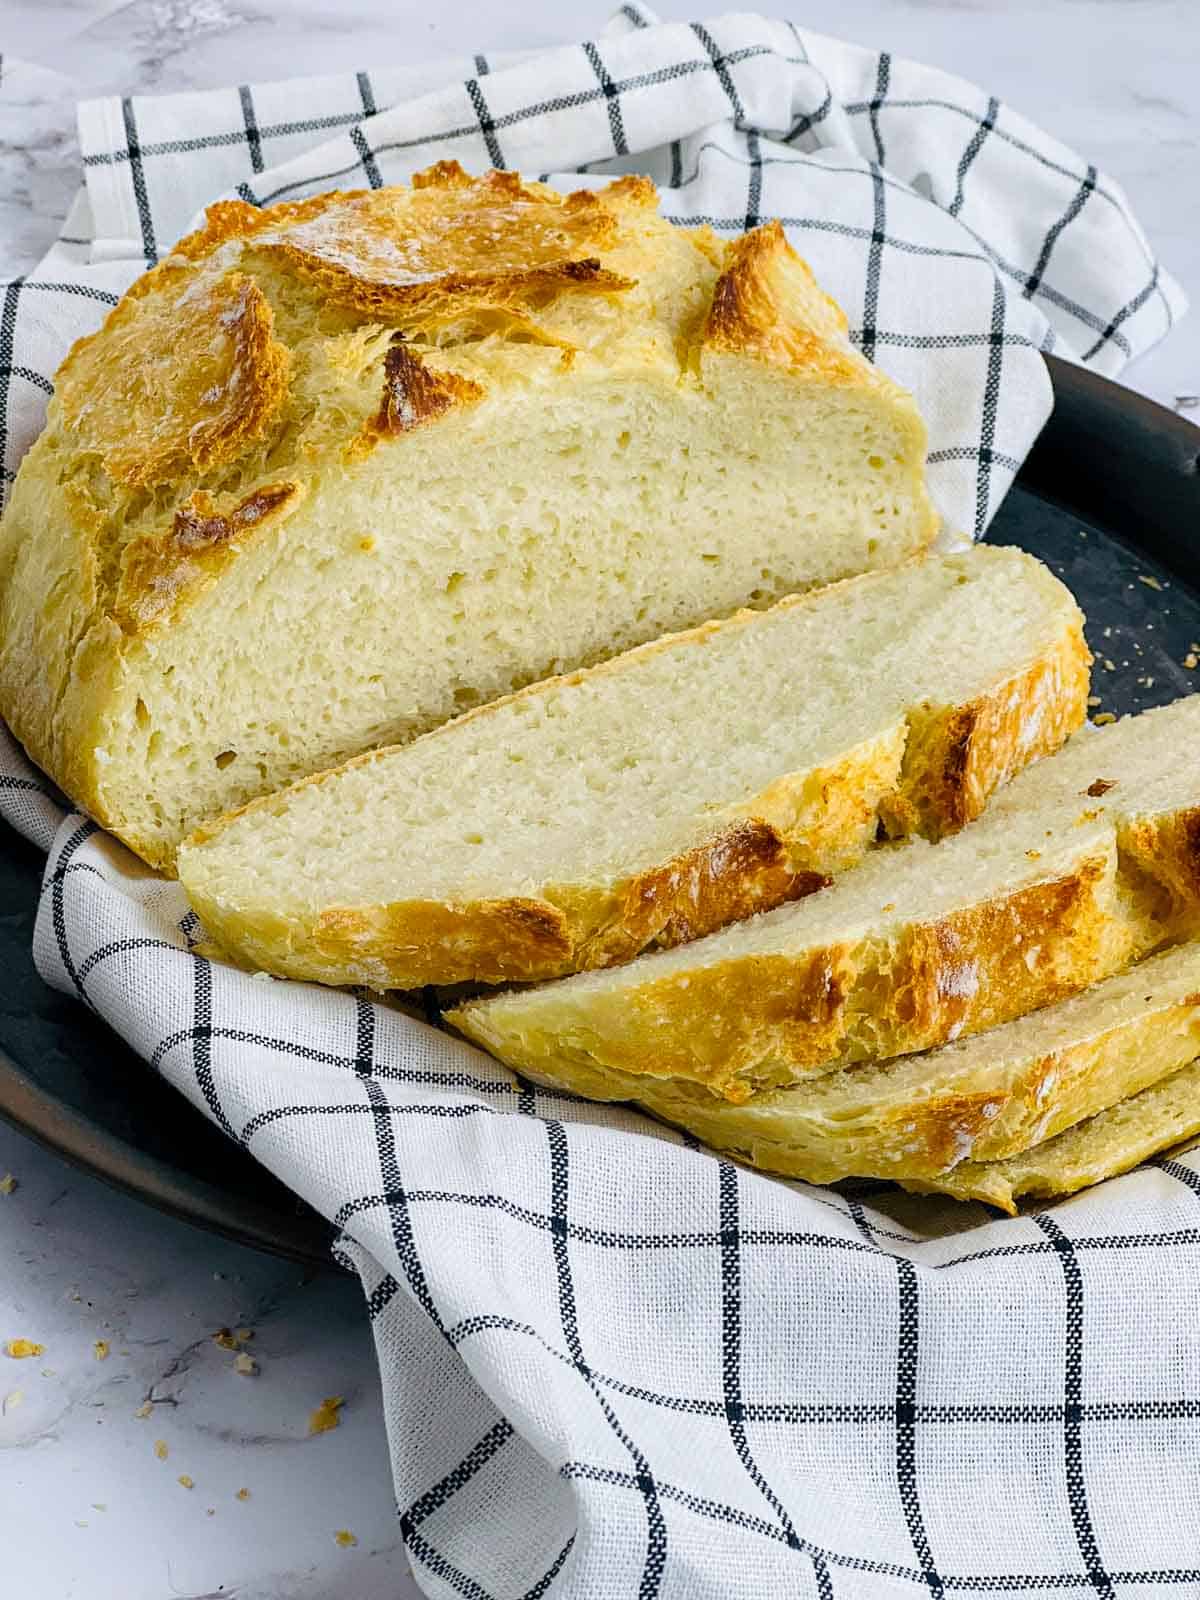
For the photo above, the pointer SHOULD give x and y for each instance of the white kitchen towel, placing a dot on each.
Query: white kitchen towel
(613, 1364)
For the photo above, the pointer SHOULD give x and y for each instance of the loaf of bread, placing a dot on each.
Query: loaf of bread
(1088, 860)
(1165, 1115)
(340, 469)
(650, 800)
(951, 1117)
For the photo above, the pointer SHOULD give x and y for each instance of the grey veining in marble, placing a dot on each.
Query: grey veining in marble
(87, 1509)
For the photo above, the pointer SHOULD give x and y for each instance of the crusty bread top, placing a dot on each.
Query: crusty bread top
(273, 341)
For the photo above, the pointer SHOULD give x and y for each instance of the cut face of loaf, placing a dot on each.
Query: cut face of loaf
(1115, 1141)
(646, 802)
(951, 1117)
(1088, 860)
(336, 471)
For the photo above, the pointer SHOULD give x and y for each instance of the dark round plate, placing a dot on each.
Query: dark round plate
(1110, 498)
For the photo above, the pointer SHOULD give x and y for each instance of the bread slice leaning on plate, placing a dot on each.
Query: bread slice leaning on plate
(650, 800)
(1087, 861)
(337, 470)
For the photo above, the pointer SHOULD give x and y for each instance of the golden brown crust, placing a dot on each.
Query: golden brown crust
(764, 280)
(158, 571)
(958, 756)
(740, 870)
(396, 254)
(728, 1024)
(412, 395)
(168, 386)
(962, 1120)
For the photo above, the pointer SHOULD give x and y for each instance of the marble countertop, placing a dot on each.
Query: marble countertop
(90, 1509)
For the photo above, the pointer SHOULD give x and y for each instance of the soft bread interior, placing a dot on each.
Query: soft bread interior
(474, 434)
(801, 717)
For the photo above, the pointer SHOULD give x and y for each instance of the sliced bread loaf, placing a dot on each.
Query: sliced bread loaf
(650, 800)
(947, 1116)
(1115, 1141)
(1085, 862)
(337, 470)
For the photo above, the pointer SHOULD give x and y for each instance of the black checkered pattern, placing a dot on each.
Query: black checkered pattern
(614, 1364)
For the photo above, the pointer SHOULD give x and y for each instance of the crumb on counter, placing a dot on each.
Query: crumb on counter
(185, 1481)
(1103, 718)
(242, 1494)
(325, 1418)
(160, 1449)
(345, 1539)
(1191, 661)
(1093, 700)
(1149, 581)
(246, 1365)
(11, 1401)
(145, 1410)
(101, 1349)
(22, 1349)
(8, 1184)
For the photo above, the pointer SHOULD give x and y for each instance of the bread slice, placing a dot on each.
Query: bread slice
(1165, 1115)
(1087, 861)
(335, 471)
(948, 1117)
(655, 798)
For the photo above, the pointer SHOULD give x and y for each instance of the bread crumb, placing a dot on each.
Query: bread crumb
(246, 1365)
(211, 1512)
(160, 1449)
(144, 1410)
(1100, 786)
(8, 1184)
(244, 1335)
(345, 1538)
(1103, 718)
(1151, 583)
(22, 1349)
(242, 1494)
(1093, 700)
(11, 1401)
(98, 1505)
(100, 1349)
(1190, 661)
(325, 1417)
(1109, 666)
(891, 906)
(185, 1482)
(225, 1339)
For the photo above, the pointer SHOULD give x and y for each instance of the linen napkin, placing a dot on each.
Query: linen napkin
(614, 1364)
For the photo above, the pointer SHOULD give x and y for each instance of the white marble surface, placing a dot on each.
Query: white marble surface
(87, 1510)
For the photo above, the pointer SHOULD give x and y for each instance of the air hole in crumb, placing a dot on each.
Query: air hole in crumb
(623, 439)
(224, 759)
(473, 838)
(453, 581)
(713, 560)
(466, 696)
(140, 714)
(875, 463)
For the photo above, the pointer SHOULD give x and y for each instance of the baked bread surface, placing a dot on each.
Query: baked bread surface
(1085, 862)
(338, 470)
(685, 784)
(952, 1119)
